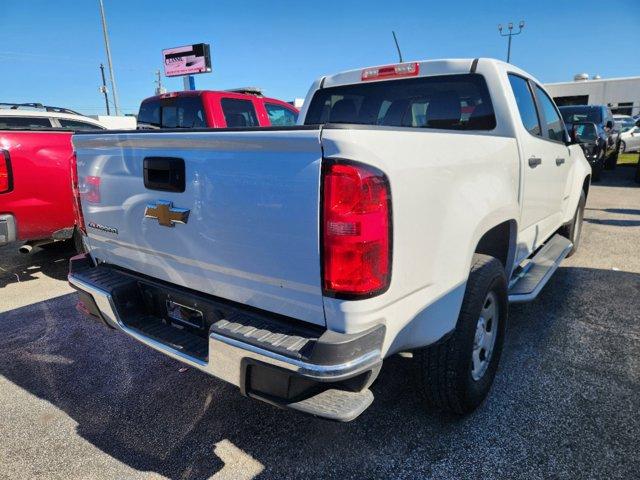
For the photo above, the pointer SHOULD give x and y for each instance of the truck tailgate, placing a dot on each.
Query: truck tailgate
(252, 230)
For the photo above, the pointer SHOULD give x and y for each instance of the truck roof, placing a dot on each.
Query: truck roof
(425, 68)
(238, 93)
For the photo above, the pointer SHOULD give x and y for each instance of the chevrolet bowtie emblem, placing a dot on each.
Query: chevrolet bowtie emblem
(166, 214)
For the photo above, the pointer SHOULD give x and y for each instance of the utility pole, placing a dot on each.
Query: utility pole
(510, 34)
(116, 103)
(159, 88)
(103, 89)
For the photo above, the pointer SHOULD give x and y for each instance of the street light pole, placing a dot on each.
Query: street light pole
(114, 90)
(510, 34)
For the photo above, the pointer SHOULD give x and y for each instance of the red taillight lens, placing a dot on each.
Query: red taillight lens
(75, 189)
(356, 230)
(6, 179)
(91, 190)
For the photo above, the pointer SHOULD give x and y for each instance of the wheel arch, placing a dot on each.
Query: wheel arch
(500, 242)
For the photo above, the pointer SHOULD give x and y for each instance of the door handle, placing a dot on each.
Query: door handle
(559, 161)
(534, 162)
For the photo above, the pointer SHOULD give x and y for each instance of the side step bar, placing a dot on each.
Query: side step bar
(527, 282)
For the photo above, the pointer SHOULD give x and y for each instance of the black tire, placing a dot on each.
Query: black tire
(612, 162)
(445, 370)
(596, 170)
(77, 241)
(573, 230)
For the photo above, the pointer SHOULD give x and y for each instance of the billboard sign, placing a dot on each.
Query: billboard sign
(187, 60)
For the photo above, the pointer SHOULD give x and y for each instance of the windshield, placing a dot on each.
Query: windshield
(172, 112)
(581, 114)
(458, 102)
(586, 132)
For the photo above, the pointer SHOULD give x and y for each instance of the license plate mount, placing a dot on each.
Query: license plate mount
(184, 314)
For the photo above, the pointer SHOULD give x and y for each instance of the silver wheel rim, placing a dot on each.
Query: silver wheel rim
(485, 337)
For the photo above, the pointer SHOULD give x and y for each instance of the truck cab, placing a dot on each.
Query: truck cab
(243, 107)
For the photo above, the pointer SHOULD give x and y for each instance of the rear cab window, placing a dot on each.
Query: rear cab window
(172, 112)
(582, 114)
(451, 102)
(239, 113)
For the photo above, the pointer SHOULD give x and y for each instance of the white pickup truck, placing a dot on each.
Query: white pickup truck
(411, 205)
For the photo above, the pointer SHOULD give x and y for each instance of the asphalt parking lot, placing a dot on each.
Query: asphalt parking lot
(80, 401)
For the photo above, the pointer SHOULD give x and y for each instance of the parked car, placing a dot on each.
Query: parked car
(630, 140)
(593, 145)
(215, 109)
(36, 204)
(409, 207)
(36, 115)
(600, 115)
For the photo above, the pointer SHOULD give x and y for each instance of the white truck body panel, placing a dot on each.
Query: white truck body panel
(252, 234)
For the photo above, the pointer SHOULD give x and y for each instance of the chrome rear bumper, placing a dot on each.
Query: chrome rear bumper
(228, 355)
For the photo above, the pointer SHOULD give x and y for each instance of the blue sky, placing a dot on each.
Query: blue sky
(50, 50)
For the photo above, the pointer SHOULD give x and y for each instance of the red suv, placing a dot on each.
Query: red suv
(215, 109)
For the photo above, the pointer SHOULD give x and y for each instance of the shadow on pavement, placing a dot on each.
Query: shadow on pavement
(621, 177)
(565, 399)
(52, 261)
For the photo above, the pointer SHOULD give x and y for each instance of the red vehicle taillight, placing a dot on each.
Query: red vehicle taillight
(91, 191)
(75, 189)
(6, 179)
(356, 230)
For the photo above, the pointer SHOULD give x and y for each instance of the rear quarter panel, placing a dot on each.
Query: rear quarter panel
(447, 190)
(41, 198)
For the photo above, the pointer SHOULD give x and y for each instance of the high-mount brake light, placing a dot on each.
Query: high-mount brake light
(75, 189)
(6, 179)
(391, 71)
(356, 230)
(169, 95)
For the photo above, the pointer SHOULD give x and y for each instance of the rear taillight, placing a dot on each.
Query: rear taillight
(75, 189)
(6, 178)
(356, 230)
(90, 189)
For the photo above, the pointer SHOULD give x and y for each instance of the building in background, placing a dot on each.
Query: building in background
(621, 94)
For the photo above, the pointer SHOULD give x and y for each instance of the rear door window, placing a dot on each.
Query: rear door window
(77, 125)
(25, 122)
(554, 127)
(279, 115)
(239, 113)
(526, 104)
(172, 112)
(455, 102)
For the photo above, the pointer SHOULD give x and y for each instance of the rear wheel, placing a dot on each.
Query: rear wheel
(456, 374)
(573, 230)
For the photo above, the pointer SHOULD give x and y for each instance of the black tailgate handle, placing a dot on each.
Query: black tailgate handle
(164, 173)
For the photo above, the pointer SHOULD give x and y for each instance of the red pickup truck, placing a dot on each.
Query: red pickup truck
(245, 107)
(35, 193)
